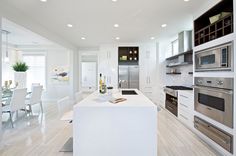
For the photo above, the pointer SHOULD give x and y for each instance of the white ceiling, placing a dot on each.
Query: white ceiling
(94, 19)
(19, 36)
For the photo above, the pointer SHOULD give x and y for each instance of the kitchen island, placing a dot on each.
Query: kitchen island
(101, 128)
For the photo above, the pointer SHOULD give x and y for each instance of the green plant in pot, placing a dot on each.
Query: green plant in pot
(20, 76)
(20, 67)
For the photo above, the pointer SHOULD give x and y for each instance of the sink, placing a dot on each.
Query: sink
(129, 92)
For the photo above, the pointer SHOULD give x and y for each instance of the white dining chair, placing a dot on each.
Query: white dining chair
(78, 96)
(17, 103)
(35, 98)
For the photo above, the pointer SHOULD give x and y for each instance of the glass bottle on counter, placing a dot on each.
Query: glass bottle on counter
(100, 83)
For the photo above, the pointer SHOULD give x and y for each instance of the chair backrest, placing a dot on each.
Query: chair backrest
(78, 96)
(64, 105)
(36, 94)
(18, 99)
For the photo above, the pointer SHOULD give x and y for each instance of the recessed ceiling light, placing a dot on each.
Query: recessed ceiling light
(83, 38)
(114, 0)
(43, 0)
(164, 25)
(117, 38)
(152, 38)
(69, 25)
(186, 0)
(116, 25)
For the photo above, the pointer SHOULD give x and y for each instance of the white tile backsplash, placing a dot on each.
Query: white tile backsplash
(184, 79)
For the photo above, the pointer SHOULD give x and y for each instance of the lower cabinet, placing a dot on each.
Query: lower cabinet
(186, 108)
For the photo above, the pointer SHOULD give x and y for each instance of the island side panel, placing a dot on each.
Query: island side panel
(115, 131)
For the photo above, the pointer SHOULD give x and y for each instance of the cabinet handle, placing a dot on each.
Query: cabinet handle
(184, 96)
(183, 117)
(183, 105)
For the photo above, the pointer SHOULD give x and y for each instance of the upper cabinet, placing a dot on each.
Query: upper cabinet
(215, 23)
(108, 64)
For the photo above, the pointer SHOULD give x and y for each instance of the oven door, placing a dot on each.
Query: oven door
(207, 60)
(214, 103)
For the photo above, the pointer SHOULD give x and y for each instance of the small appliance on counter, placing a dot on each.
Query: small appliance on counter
(172, 97)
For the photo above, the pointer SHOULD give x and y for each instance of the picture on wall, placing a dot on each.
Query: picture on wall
(60, 75)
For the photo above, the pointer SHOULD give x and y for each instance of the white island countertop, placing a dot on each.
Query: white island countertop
(101, 128)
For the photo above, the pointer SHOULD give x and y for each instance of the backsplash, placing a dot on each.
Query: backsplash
(184, 79)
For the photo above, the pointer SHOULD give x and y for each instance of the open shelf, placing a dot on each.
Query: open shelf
(204, 31)
(173, 73)
(128, 55)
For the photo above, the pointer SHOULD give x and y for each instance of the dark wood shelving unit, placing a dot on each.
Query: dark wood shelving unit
(173, 73)
(204, 31)
(128, 55)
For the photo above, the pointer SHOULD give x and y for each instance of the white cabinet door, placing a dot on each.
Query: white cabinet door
(108, 64)
(147, 69)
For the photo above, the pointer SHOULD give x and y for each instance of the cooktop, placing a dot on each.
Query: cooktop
(179, 88)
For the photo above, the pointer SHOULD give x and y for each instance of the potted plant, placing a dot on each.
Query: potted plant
(20, 69)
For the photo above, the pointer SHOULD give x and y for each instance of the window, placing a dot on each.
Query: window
(37, 69)
(175, 47)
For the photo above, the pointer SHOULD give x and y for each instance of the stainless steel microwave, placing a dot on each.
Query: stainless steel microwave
(219, 58)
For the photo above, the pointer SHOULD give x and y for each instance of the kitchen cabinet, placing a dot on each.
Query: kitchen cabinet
(186, 107)
(147, 65)
(108, 64)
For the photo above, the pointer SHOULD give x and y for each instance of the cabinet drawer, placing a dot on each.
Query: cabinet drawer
(147, 89)
(185, 94)
(185, 117)
(187, 106)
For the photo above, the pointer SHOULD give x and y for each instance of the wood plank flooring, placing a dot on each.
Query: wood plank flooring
(44, 135)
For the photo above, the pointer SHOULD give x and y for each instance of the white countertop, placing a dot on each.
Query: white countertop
(99, 100)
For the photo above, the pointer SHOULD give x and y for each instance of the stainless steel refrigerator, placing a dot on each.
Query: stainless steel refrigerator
(129, 76)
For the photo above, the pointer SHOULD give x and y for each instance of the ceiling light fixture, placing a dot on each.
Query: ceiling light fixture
(164, 25)
(69, 25)
(83, 38)
(43, 0)
(116, 25)
(186, 0)
(152, 38)
(7, 45)
(117, 38)
(114, 0)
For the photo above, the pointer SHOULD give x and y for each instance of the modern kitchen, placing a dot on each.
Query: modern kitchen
(128, 91)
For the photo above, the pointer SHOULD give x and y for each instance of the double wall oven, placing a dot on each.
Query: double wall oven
(214, 96)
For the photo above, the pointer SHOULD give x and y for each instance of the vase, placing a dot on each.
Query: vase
(20, 79)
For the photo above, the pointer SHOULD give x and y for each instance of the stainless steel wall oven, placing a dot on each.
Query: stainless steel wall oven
(213, 97)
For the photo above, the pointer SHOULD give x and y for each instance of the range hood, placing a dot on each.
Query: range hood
(185, 41)
(184, 57)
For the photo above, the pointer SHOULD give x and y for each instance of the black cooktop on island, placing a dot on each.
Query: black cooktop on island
(179, 88)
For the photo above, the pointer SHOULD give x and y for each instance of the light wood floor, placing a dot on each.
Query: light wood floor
(45, 135)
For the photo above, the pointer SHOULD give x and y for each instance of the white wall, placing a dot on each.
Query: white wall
(0, 80)
(55, 57)
(83, 52)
